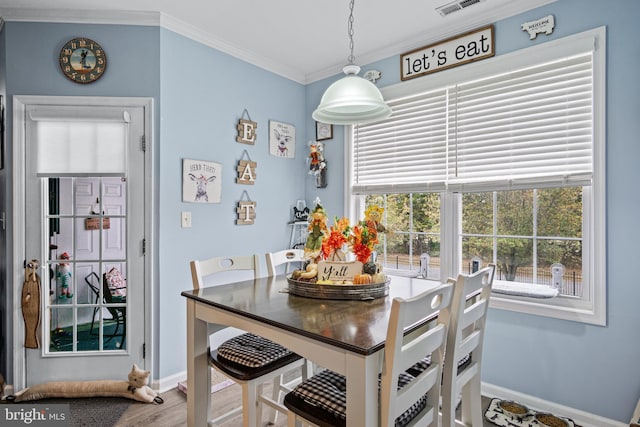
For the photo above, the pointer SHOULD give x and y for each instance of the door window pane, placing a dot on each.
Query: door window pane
(86, 246)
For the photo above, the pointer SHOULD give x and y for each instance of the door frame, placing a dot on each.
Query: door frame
(20, 103)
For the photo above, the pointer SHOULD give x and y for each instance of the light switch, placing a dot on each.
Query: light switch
(186, 220)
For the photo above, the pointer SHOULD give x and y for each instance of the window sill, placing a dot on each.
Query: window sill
(524, 289)
(564, 308)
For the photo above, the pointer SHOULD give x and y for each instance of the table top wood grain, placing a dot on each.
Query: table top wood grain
(357, 326)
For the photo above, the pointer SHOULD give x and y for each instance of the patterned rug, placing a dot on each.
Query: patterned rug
(496, 415)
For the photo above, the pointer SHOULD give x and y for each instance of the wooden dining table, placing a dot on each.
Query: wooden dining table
(346, 336)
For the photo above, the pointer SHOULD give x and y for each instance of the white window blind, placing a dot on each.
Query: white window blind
(532, 126)
(406, 152)
(73, 142)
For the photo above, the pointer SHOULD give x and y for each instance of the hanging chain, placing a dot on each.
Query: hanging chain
(351, 58)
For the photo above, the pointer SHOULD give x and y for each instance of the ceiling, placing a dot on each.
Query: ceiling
(303, 40)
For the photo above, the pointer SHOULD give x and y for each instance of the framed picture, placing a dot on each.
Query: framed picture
(323, 131)
(282, 139)
(201, 181)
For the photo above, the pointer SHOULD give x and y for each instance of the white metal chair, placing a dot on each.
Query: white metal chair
(465, 337)
(405, 400)
(286, 256)
(250, 378)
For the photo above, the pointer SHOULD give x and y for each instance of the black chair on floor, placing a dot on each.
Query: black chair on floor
(118, 314)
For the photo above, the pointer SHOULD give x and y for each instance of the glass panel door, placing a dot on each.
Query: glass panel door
(87, 264)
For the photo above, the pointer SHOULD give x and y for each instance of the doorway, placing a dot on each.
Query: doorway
(85, 174)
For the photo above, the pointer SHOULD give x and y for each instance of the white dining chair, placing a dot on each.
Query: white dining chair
(286, 256)
(247, 359)
(467, 319)
(279, 387)
(405, 400)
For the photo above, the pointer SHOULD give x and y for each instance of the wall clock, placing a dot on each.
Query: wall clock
(82, 60)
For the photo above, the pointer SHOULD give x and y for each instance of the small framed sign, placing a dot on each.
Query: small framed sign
(323, 131)
(282, 139)
(201, 181)
(458, 50)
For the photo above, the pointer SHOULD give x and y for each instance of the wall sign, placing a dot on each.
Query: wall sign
(543, 25)
(246, 211)
(246, 131)
(201, 181)
(282, 139)
(246, 172)
(458, 50)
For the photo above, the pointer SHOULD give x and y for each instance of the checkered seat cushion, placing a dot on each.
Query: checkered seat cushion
(322, 399)
(251, 350)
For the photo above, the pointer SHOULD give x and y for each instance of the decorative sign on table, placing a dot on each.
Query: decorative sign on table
(458, 50)
(338, 271)
(201, 181)
(282, 139)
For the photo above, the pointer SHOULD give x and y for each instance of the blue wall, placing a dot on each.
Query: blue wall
(204, 94)
(586, 367)
(199, 96)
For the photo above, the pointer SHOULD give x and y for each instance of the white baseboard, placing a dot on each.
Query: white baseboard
(167, 383)
(585, 419)
(219, 382)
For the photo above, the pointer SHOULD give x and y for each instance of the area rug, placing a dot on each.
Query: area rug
(496, 415)
(90, 411)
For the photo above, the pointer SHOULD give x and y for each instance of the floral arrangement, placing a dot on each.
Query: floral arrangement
(330, 243)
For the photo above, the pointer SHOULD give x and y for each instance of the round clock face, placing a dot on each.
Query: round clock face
(82, 60)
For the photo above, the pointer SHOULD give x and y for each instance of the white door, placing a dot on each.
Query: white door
(85, 222)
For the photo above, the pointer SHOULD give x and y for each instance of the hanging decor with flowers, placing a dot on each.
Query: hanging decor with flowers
(342, 254)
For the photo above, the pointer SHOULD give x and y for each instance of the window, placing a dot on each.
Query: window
(501, 161)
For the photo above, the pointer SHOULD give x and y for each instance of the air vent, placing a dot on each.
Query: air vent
(456, 6)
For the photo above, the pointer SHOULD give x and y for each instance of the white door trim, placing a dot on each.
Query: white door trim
(20, 103)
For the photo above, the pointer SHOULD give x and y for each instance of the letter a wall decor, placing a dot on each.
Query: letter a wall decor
(246, 170)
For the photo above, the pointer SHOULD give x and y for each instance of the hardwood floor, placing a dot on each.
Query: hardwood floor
(173, 412)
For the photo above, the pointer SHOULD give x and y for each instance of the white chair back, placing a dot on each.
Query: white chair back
(402, 352)
(201, 269)
(286, 256)
(466, 321)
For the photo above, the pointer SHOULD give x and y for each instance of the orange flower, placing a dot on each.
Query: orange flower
(336, 238)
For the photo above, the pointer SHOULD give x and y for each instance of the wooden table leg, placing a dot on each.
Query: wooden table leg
(362, 390)
(198, 372)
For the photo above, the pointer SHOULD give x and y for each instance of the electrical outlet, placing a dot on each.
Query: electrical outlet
(186, 220)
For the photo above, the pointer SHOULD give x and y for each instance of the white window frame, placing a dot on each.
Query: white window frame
(592, 307)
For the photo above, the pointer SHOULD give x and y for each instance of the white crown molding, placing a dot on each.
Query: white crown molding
(168, 22)
(472, 21)
(148, 19)
(180, 27)
(75, 16)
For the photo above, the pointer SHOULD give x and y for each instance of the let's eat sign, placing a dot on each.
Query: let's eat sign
(458, 50)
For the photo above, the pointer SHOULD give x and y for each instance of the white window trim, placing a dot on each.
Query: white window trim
(591, 309)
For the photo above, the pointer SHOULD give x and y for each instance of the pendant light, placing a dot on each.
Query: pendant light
(352, 99)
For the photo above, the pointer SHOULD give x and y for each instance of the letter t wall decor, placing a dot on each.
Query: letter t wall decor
(246, 211)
